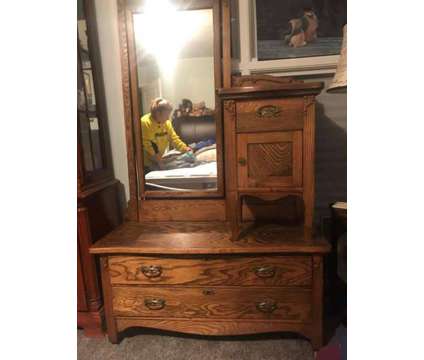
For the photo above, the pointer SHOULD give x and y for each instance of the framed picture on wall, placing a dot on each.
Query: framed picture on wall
(287, 37)
(287, 29)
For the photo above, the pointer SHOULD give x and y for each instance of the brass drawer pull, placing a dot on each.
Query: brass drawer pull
(155, 304)
(268, 111)
(267, 306)
(151, 271)
(265, 271)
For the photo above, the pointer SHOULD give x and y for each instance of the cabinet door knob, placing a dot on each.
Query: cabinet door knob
(242, 161)
(265, 271)
(267, 306)
(151, 271)
(155, 304)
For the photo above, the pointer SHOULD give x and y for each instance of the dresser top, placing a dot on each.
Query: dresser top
(206, 238)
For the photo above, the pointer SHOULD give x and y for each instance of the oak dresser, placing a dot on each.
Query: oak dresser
(190, 277)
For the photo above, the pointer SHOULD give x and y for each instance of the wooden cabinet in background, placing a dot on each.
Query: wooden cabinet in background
(98, 192)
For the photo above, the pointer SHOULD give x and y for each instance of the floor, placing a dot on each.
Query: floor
(154, 346)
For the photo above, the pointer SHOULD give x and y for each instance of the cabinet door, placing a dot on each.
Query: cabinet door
(269, 160)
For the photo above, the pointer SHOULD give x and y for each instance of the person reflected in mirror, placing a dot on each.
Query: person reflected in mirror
(158, 134)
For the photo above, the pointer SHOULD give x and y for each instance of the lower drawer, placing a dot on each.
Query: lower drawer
(209, 302)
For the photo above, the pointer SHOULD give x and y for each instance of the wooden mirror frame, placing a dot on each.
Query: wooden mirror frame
(145, 205)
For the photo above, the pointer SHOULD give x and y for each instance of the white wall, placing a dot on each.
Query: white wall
(107, 22)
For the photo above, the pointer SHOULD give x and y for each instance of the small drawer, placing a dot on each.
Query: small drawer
(212, 303)
(270, 115)
(214, 271)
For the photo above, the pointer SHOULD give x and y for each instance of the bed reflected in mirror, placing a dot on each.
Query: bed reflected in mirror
(175, 68)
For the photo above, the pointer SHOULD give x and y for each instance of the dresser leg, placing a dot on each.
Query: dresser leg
(112, 331)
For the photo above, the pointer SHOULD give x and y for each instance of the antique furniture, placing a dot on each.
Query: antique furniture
(190, 277)
(269, 139)
(181, 263)
(98, 206)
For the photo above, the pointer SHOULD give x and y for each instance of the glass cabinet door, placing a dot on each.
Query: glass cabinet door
(91, 118)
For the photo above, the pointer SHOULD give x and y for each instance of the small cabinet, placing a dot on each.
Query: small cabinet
(269, 160)
(270, 139)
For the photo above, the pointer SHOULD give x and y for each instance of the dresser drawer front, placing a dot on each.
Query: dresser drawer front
(223, 271)
(213, 302)
(270, 115)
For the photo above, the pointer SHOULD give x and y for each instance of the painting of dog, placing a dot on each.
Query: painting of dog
(302, 30)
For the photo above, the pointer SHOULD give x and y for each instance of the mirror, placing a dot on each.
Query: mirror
(174, 50)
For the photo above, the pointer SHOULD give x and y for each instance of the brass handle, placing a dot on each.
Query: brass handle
(242, 161)
(265, 271)
(151, 271)
(155, 304)
(268, 111)
(267, 306)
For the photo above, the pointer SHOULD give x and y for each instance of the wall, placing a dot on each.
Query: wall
(107, 22)
(330, 149)
(192, 79)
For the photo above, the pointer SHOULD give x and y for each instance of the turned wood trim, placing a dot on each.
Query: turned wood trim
(132, 212)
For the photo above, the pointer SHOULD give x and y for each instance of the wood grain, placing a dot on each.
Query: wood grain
(309, 160)
(288, 115)
(282, 166)
(112, 331)
(182, 210)
(212, 302)
(132, 213)
(213, 271)
(207, 238)
(262, 80)
(215, 327)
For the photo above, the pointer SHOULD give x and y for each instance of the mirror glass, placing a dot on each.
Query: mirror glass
(175, 67)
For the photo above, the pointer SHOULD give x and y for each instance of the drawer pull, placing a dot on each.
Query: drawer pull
(267, 306)
(268, 111)
(151, 271)
(155, 304)
(265, 271)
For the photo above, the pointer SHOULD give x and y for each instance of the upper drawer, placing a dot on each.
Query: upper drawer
(230, 271)
(270, 114)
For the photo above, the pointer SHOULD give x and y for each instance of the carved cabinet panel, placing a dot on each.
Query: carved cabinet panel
(269, 160)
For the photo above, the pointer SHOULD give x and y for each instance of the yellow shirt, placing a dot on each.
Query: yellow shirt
(161, 135)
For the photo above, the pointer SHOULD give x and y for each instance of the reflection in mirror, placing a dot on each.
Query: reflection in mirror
(175, 65)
